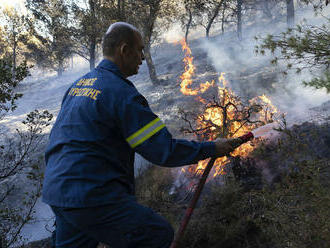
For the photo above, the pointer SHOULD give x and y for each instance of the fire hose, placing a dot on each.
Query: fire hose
(200, 186)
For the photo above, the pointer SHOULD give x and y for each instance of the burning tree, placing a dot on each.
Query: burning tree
(226, 115)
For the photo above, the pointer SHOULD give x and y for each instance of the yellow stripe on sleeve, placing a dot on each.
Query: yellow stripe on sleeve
(145, 132)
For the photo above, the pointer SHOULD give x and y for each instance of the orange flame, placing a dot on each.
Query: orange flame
(186, 77)
(225, 121)
(268, 110)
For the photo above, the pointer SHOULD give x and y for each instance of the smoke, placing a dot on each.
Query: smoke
(251, 74)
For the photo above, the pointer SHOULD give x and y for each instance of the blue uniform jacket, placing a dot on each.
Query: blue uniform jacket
(103, 121)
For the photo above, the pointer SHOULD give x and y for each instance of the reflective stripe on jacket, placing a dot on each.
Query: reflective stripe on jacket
(103, 121)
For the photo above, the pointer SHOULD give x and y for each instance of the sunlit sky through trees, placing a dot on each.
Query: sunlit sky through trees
(12, 3)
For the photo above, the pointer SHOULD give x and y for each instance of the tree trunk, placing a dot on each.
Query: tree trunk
(14, 54)
(239, 19)
(59, 72)
(290, 13)
(92, 54)
(223, 18)
(215, 14)
(188, 26)
(147, 31)
(60, 68)
(92, 40)
(119, 9)
(123, 9)
(150, 64)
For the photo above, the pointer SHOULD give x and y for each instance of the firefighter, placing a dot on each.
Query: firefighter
(89, 175)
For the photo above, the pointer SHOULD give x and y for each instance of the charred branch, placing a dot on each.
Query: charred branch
(230, 115)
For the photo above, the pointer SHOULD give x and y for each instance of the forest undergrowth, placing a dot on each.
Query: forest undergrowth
(289, 209)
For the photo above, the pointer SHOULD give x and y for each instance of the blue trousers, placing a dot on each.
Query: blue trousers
(124, 225)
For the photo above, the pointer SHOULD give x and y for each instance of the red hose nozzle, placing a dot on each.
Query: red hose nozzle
(247, 137)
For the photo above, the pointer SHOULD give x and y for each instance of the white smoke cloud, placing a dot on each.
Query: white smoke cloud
(249, 72)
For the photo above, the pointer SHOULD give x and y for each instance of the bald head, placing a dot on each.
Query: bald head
(118, 33)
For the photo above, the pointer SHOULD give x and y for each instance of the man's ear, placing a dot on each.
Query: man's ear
(124, 49)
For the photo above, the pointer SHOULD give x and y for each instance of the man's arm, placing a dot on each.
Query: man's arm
(148, 136)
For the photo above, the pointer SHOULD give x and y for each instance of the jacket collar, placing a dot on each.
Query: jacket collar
(110, 66)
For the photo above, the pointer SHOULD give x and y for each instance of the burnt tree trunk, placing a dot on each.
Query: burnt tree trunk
(290, 13)
(188, 25)
(211, 20)
(148, 27)
(150, 64)
(239, 19)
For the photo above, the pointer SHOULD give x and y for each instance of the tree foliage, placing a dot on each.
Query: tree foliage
(190, 17)
(318, 5)
(18, 155)
(19, 159)
(151, 18)
(302, 47)
(14, 35)
(52, 29)
(8, 83)
(320, 82)
(90, 23)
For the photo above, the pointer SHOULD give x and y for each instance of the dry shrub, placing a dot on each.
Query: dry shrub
(152, 190)
(293, 213)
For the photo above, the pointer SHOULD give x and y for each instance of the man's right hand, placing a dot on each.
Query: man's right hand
(224, 146)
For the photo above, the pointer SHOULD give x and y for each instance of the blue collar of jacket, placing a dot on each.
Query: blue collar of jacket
(111, 66)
